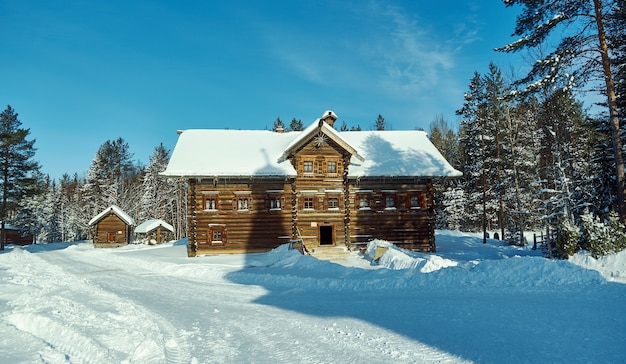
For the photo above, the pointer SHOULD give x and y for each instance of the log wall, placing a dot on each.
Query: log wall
(322, 206)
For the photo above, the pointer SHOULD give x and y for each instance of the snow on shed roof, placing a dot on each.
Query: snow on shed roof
(207, 153)
(115, 210)
(152, 224)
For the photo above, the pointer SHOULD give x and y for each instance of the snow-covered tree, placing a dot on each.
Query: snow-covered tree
(17, 168)
(112, 179)
(582, 55)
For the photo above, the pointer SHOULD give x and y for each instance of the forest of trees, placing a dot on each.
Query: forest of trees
(532, 156)
(60, 210)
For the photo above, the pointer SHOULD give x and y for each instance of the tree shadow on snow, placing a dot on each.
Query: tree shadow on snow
(472, 320)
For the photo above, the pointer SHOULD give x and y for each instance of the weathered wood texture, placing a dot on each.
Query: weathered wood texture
(395, 209)
(321, 206)
(112, 230)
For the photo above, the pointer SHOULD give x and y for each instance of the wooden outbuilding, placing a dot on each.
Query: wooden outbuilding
(154, 230)
(16, 235)
(252, 190)
(112, 227)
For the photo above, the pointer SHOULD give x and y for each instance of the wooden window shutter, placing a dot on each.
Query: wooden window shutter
(423, 200)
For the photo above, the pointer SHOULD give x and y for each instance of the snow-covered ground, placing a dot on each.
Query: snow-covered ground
(71, 303)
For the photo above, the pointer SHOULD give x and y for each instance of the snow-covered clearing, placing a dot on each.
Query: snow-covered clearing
(469, 302)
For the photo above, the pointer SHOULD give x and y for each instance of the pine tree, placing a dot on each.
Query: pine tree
(278, 124)
(295, 125)
(445, 140)
(379, 124)
(474, 135)
(17, 168)
(582, 25)
(112, 179)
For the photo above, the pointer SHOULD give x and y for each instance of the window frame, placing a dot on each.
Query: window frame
(334, 168)
(307, 167)
(308, 200)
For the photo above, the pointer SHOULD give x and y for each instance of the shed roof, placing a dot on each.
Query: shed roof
(152, 224)
(113, 210)
(208, 153)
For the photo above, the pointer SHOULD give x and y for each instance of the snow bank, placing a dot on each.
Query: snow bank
(612, 267)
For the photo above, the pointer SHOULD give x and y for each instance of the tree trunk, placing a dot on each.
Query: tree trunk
(614, 119)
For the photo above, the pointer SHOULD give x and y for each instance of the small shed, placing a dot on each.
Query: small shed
(113, 227)
(17, 235)
(154, 230)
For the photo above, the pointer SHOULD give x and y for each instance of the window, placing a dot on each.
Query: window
(243, 203)
(333, 203)
(308, 203)
(275, 203)
(210, 203)
(415, 202)
(389, 202)
(364, 202)
(308, 166)
(217, 235)
(332, 167)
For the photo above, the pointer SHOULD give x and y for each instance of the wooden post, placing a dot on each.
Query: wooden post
(346, 202)
(191, 210)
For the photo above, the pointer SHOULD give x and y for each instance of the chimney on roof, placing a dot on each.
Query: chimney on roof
(280, 129)
(329, 118)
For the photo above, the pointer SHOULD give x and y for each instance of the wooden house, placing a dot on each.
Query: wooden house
(17, 235)
(112, 227)
(154, 230)
(252, 190)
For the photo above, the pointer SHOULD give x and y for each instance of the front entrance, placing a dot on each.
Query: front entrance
(326, 235)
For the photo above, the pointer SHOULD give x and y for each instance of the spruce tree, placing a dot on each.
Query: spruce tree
(379, 124)
(278, 124)
(295, 125)
(17, 168)
(583, 35)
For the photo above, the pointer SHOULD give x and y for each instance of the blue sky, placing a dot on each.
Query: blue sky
(82, 72)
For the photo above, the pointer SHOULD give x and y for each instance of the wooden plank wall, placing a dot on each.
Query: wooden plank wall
(257, 228)
(410, 228)
(111, 225)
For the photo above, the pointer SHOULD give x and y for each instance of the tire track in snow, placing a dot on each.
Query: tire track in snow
(64, 311)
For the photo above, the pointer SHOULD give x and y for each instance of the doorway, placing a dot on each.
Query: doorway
(326, 235)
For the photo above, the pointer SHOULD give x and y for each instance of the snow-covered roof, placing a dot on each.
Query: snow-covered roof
(397, 153)
(115, 210)
(208, 153)
(312, 130)
(202, 153)
(152, 224)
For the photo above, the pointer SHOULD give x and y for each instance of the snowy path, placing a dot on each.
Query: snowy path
(64, 303)
(86, 306)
